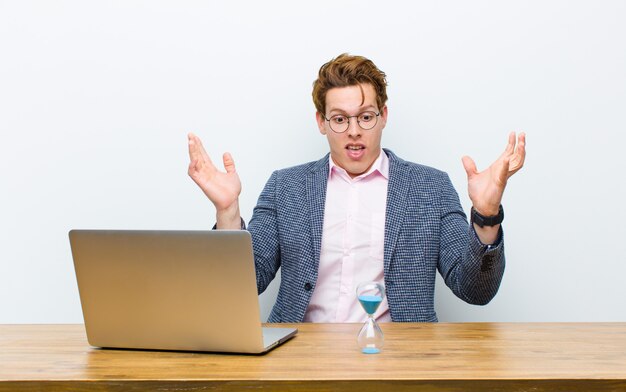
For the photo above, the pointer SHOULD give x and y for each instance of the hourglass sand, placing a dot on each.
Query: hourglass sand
(370, 338)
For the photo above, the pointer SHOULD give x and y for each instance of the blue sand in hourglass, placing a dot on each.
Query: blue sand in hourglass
(370, 350)
(370, 302)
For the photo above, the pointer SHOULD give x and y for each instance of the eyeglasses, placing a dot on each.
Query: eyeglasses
(340, 123)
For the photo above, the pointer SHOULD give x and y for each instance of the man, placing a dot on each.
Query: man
(361, 213)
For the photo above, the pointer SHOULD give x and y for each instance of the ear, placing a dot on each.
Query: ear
(383, 115)
(321, 122)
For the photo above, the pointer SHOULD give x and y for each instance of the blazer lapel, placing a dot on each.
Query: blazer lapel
(397, 192)
(316, 183)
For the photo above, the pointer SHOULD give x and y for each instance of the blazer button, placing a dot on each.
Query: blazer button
(308, 286)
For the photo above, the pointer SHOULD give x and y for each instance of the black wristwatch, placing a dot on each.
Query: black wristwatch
(483, 221)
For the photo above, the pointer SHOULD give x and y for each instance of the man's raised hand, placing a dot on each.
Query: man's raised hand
(487, 187)
(222, 188)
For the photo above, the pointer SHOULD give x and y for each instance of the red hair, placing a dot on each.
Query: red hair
(346, 70)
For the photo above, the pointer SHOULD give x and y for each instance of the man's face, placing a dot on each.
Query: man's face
(356, 149)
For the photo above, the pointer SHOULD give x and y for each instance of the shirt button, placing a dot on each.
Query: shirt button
(308, 286)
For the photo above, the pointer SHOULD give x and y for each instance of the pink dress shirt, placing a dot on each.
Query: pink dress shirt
(352, 244)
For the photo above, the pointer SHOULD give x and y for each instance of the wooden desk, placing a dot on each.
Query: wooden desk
(417, 357)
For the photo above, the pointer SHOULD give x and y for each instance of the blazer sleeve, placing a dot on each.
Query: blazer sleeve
(263, 228)
(472, 270)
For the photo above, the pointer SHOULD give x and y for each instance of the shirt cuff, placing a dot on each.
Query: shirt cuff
(489, 247)
(243, 225)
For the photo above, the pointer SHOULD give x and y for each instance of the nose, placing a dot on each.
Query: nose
(354, 130)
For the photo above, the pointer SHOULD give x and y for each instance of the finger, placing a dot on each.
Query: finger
(202, 150)
(521, 145)
(194, 148)
(197, 151)
(470, 166)
(510, 147)
(229, 163)
(194, 166)
(503, 173)
(520, 152)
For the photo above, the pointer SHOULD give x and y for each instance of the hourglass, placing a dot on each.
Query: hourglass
(370, 338)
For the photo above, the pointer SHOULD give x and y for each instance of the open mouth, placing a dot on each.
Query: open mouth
(355, 151)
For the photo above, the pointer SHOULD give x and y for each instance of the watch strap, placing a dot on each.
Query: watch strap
(483, 221)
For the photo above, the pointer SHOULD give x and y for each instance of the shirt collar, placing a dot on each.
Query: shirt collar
(380, 166)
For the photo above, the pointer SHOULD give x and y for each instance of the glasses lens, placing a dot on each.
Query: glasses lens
(368, 120)
(339, 123)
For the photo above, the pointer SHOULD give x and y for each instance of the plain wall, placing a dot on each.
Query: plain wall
(96, 99)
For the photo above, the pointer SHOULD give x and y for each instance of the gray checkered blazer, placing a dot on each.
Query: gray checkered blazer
(425, 230)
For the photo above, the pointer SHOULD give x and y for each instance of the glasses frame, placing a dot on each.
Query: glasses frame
(357, 121)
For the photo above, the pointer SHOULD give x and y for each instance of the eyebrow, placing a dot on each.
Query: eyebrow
(363, 109)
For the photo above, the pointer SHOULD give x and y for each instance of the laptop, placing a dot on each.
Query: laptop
(171, 290)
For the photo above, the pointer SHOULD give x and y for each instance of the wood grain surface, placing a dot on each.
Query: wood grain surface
(428, 357)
